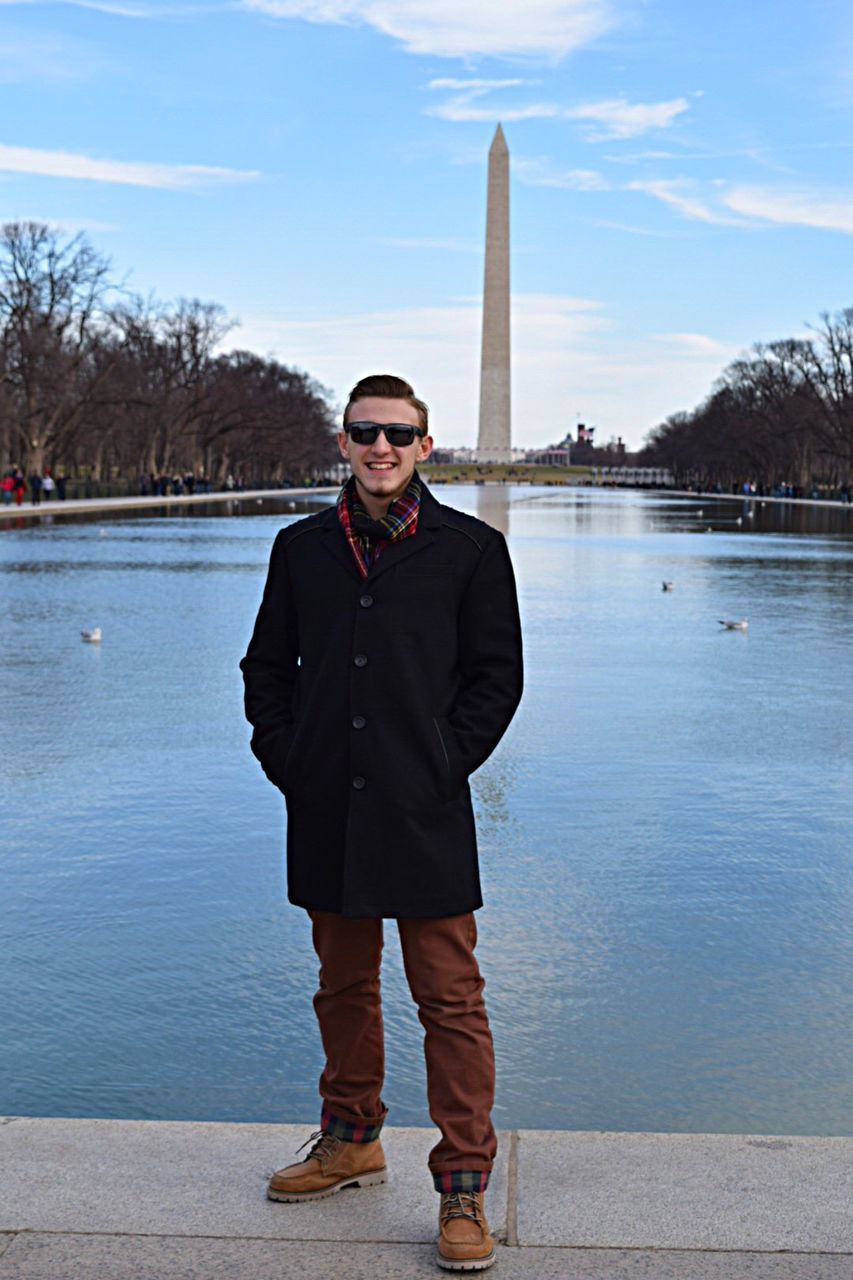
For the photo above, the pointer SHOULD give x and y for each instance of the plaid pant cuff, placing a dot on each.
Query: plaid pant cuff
(348, 1130)
(461, 1180)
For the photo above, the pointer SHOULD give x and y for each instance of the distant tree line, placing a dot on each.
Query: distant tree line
(780, 415)
(97, 380)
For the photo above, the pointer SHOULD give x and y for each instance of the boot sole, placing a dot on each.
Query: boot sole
(467, 1264)
(372, 1179)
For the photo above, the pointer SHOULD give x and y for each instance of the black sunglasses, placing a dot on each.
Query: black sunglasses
(396, 433)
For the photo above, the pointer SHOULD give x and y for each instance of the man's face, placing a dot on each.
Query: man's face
(381, 470)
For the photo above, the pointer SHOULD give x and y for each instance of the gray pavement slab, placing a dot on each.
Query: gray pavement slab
(145, 1177)
(685, 1191)
(37, 1256)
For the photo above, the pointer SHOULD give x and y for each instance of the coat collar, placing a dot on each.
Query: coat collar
(429, 521)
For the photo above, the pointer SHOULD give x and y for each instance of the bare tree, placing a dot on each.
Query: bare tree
(54, 319)
(93, 377)
(783, 412)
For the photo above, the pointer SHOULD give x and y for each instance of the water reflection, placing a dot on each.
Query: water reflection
(492, 505)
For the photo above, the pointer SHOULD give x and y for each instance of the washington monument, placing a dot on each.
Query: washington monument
(494, 440)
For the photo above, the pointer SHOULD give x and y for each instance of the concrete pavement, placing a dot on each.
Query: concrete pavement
(139, 1199)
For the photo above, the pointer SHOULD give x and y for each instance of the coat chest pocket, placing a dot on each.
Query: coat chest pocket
(429, 580)
(424, 599)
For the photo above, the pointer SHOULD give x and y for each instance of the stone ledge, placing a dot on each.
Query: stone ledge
(119, 1191)
(80, 506)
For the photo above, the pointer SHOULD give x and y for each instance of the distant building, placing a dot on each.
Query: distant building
(550, 455)
(553, 455)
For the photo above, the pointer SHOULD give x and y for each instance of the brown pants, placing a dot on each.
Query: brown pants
(445, 982)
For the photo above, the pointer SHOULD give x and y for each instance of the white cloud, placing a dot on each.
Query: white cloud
(675, 192)
(44, 57)
(465, 102)
(754, 206)
(67, 164)
(620, 119)
(615, 119)
(630, 229)
(119, 9)
(697, 346)
(438, 349)
(463, 109)
(629, 386)
(449, 83)
(539, 171)
(567, 357)
(542, 28)
(827, 211)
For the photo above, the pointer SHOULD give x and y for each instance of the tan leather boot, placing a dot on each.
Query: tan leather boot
(329, 1166)
(464, 1242)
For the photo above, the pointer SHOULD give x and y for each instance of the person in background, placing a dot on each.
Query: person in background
(7, 485)
(48, 484)
(20, 486)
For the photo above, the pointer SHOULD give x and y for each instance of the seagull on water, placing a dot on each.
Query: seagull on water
(667, 586)
(735, 624)
(93, 636)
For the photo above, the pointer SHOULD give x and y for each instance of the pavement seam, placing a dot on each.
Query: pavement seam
(576, 1248)
(6, 1245)
(512, 1192)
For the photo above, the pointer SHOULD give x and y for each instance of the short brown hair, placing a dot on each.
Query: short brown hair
(389, 387)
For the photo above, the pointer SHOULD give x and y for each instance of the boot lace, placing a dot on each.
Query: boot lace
(325, 1146)
(461, 1204)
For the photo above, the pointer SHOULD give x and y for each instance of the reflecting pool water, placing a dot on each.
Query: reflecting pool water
(665, 830)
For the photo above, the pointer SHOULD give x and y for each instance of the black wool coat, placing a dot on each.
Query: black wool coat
(373, 699)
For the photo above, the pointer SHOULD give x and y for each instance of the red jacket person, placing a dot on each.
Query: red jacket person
(384, 668)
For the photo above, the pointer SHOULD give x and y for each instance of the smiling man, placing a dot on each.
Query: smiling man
(384, 668)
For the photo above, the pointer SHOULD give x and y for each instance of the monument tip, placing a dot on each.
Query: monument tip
(498, 141)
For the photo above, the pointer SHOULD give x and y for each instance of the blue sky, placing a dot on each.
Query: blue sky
(681, 181)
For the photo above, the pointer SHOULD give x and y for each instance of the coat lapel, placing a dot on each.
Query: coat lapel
(335, 542)
(429, 521)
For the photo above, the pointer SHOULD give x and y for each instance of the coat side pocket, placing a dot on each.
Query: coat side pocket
(449, 754)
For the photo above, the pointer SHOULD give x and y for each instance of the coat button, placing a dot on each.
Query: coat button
(358, 783)
(360, 659)
(366, 601)
(358, 722)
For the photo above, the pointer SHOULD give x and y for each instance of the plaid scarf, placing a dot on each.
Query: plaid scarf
(368, 537)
